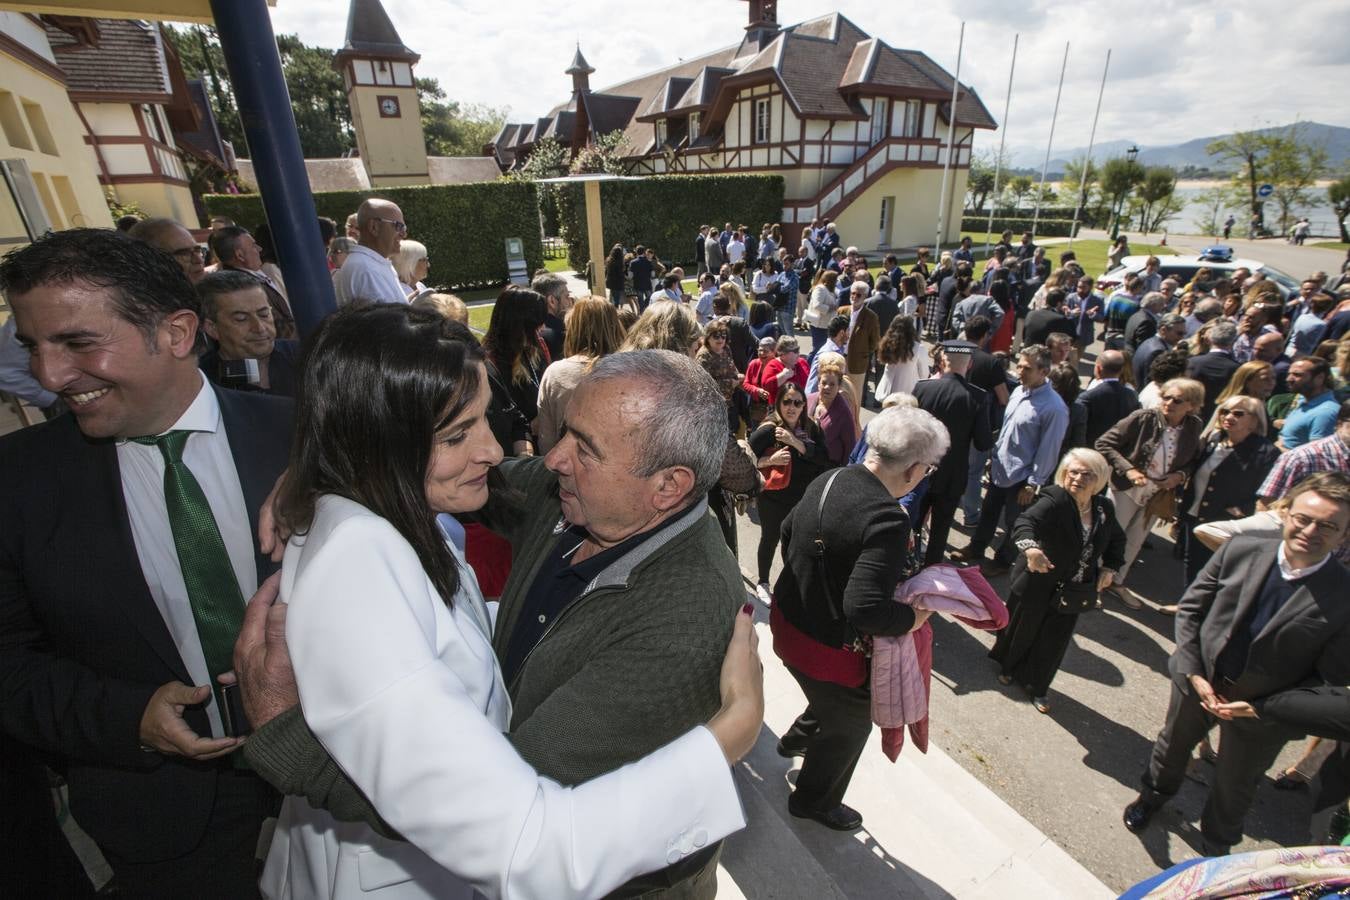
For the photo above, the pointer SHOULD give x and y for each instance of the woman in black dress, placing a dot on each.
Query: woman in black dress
(1071, 545)
(790, 438)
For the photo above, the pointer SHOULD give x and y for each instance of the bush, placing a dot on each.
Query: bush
(665, 211)
(1044, 228)
(464, 226)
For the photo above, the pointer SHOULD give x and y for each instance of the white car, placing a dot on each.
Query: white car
(1183, 269)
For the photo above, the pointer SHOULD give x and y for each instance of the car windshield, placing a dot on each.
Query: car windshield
(1281, 279)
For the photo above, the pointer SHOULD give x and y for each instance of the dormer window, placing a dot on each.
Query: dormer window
(694, 122)
(660, 132)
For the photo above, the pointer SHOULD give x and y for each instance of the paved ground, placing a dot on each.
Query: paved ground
(1070, 773)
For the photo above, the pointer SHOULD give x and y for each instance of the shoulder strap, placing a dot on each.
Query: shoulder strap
(835, 611)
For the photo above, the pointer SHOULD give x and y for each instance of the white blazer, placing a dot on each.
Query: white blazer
(406, 695)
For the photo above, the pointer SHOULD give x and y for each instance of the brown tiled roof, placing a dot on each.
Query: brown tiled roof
(560, 127)
(371, 33)
(666, 99)
(129, 59)
(702, 88)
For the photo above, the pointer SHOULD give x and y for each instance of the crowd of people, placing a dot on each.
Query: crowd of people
(514, 620)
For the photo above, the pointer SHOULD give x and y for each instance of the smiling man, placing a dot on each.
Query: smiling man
(126, 553)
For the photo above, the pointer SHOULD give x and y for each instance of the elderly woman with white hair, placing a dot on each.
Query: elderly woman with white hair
(412, 265)
(1070, 547)
(841, 566)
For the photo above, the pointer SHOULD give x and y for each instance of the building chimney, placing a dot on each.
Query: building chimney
(763, 25)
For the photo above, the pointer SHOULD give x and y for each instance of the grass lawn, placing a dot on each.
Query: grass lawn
(479, 316)
(558, 265)
(1332, 245)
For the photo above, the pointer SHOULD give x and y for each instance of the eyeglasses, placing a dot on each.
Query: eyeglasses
(400, 227)
(1302, 522)
(791, 402)
(929, 469)
(193, 252)
(1235, 413)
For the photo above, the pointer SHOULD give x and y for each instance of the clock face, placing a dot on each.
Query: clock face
(389, 107)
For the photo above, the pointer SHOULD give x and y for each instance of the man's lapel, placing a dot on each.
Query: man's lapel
(259, 458)
(1308, 603)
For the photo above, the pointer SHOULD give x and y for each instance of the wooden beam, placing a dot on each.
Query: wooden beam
(595, 235)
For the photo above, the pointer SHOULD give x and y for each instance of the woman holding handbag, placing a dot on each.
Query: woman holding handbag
(1071, 547)
(790, 451)
(1152, 452)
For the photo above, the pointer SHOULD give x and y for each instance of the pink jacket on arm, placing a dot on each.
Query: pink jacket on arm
(902, 665)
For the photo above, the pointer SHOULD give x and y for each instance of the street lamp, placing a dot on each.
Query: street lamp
(1130, 156)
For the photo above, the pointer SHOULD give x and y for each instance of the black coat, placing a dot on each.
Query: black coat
(83, 645)
(1235, 482)
(1213, 370)
(851, 591)
(1106, 402)
(964, 409)
(1140, 327)
(805, 467)
(1144, 355)
(283, 369)
(1051, 522)
(1041, 323)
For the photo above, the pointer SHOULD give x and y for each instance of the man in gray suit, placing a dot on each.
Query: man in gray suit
(1261, 617)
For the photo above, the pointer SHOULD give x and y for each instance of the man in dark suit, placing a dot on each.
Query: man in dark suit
(1215, 368)
(700, 258)
(126, 553)
(1144, 324)
(1041, 323)
(964, 409)
(1171, 330)
(236, 249)
(247, 355)
(1109, 400)
(1260, 618)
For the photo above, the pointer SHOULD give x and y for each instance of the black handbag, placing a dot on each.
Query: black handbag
(1074, 597)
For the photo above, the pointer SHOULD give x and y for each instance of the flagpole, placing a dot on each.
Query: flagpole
(951, 149)
(1002, 138)
(1040, 190)
(1087, 166)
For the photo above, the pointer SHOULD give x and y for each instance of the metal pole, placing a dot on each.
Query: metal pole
(1002, 137)
(250, 50)
(1045, 167)
(951, 149)
(1087, 166)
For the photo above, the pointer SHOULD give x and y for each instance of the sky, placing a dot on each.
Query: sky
(1180, 69)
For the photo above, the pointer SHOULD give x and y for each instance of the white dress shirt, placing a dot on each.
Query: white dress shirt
(207, 455)
(366, 275)
(1289, 573)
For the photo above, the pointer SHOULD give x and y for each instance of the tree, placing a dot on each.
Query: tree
(1293, 166)
(318, 99)
(547, 159)
(1079, 181)
(1157, 200)
(1019, 186)
(1119, 177)
(984, 171)
(1338, 192)
(1212, 203)
(199, 52)
(452, 129)
(1283, 158)
(605, 154)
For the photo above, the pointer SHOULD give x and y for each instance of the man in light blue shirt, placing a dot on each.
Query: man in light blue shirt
(707, 283)
(1315, 417)
(1025, 456)
(837, 341)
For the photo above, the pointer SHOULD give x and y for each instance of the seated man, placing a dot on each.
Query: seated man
(247, 355)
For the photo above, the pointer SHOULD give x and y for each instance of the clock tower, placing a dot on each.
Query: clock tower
(377, 69)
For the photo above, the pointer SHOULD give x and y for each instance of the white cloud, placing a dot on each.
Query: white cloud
(1180, 69)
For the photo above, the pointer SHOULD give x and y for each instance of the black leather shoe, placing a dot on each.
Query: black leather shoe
(841, 818)
(788, 752)
(1138, 813)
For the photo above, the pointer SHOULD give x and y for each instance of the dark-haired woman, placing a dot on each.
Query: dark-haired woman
(390, 641)
(616, 274)
(902, 354)
(790, 451)
(516, 358)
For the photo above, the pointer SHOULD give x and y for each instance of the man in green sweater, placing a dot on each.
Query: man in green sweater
(621, 599)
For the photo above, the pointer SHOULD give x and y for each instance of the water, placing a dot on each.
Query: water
(1321, 217)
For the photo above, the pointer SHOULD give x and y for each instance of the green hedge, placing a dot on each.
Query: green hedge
(665, 211)
(1044, 228)
(1086, 215)
(464, 226)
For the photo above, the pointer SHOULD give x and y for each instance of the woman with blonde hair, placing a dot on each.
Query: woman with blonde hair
(1251, 379)
(735, 297)
(592, 331)
(838, 360)
(1070, 547)
(447, 305)
(831, 408)
(821, 307)
(412, 265)
(1152, 452)
(665, 326)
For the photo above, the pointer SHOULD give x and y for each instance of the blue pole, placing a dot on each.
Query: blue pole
(250, 50)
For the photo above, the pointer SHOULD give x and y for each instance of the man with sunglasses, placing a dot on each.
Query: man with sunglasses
(368, 275)
(1261, 617)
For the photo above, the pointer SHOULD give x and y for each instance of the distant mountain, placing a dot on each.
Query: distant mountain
(1191, 153)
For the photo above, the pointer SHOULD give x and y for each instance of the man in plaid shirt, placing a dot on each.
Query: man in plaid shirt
(1328, 454)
